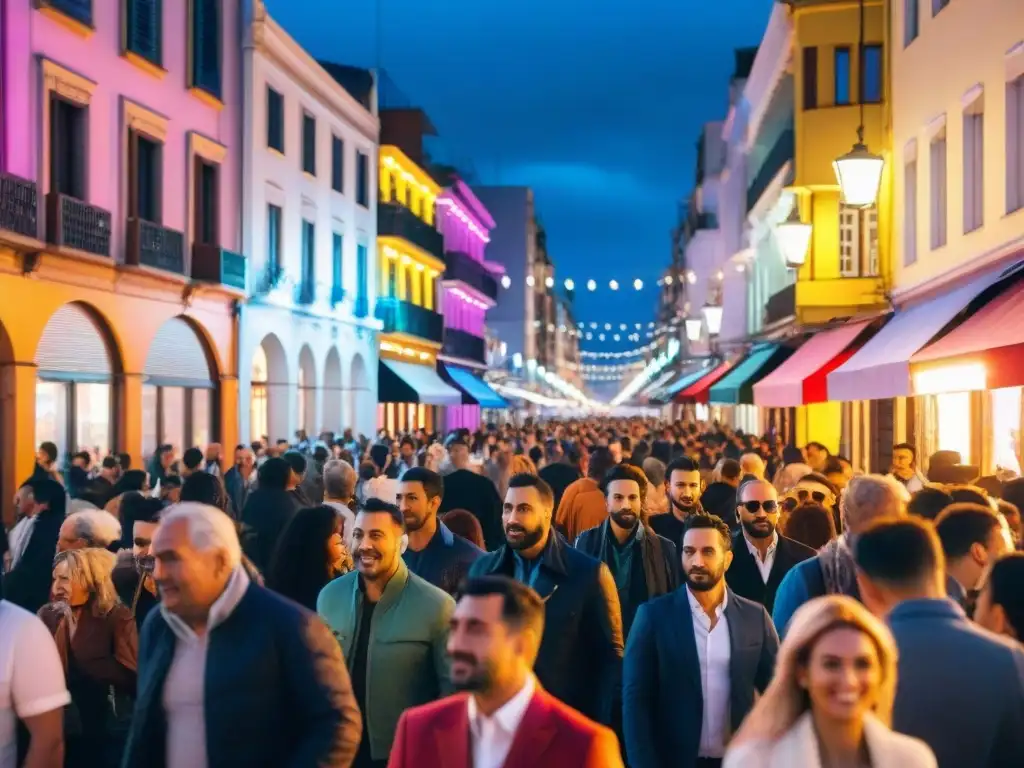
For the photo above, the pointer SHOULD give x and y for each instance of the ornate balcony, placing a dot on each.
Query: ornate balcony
(70, 223)
(19, 206)
(464, 345)
(213, 264)
(404, 317)
(464, 268)
(155, 246)
(394, 220)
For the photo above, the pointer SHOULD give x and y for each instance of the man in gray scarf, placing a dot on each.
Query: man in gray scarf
(833, 571)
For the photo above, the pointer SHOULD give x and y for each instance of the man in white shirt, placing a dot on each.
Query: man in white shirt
(504, 717)
(686, 693)
(32, 690)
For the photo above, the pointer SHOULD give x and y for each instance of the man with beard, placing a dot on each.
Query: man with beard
(435, 553)
(392, 626)
(503, 717)
(643, 564)
(695, 659)
(683, 486)
(581, 651)
(761, 557)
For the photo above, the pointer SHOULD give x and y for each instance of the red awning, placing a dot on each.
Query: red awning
(992, 337)
(698, 391)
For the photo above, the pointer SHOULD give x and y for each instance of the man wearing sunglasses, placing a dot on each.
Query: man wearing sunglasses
(761, 557)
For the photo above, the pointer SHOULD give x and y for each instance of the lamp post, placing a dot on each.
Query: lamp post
(694, 325)
(794, 237)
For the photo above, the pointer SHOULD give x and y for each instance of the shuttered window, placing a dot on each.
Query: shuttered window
(177, 358)
(309, 144)
(79, 10)
(275, 120)
(67, 147)
(337, 164)
(362, 179)
(206, 46)
(144, 29)
(72, 344)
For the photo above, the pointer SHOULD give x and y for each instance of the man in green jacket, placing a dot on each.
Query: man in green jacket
(393, 629)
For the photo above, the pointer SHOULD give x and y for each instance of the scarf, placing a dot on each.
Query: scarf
(838, 568)
(655, 573)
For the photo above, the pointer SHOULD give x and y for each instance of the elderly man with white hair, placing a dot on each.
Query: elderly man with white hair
(752, 464)
(90, 528)
(833, 571)
(231, 673)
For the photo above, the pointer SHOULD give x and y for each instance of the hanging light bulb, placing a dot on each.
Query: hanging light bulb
(607, 326)
(600, 337)
(668, 279)
(549, 282)
(616, 337)
(794, 237)
(569, 284)
(638, 284)
(591, 285)
(622, 326)
(613, 284)
(506, 281)
(530, 280)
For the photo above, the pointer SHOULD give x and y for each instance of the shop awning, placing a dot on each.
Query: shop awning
(697, 392)
(474, 389)
(399, 382)
(655, 385)
(803, 378)
(684, 380)
(881, 368)
(986, 351)
(737, 386)
(530, 396)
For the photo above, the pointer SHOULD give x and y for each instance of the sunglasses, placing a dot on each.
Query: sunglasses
(803, 494)
(768, 506)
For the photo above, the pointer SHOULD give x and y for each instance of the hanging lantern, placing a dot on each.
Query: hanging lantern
(859, 173)
(713, 318)
(794, 237)
(694, 325)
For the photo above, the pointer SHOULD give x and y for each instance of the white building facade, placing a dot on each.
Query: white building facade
(307, 336)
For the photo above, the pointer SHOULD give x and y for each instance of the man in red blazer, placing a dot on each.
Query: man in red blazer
(504, 719)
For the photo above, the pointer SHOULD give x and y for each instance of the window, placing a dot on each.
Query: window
(205, 64)
(938, 5)
(206, 202)
(337, 265)
(937, 158)
(144, 174)
(309, 144)
(67, 148)
(871, 75)
(362, 179)
(274, 214)
(842, 76)
(974, 157)
(391, 289)
(911, 21)
(910, 212)
(362, 268)
(275, 120)
(1015, 145)
(308, 258)
(79, 10)
(176, 416)
(810, 74)
(858, 241)
(143, 27)
(337, 164)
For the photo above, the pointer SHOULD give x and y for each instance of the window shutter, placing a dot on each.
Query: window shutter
(143, 29)
(206, 46)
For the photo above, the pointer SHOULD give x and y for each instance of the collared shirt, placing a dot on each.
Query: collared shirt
(492, 737)
(713, 653)
(620, 560)
(19, 536)
(764, 566)
(526, 570)
(183, 699)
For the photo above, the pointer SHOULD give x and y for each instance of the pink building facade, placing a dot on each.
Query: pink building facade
(469, 289)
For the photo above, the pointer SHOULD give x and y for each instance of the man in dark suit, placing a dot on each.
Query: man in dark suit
(695, 660)
(942, 655)
(41, 504)
(580, 655)
(469, 490)
(760, 556)
(495, 634)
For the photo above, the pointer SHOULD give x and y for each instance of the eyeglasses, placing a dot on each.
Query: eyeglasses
(770, 506)
(803, 494)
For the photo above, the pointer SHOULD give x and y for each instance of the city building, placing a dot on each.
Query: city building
(119, 227)
(411, 262)
(307, 340)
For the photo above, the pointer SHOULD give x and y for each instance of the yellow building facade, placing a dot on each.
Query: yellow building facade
(841, 83)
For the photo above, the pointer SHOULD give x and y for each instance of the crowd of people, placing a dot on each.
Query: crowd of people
(597, 593)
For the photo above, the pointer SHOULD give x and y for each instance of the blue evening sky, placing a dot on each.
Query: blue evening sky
(596, 104)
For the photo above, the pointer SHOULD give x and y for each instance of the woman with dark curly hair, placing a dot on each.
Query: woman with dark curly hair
(309, 554)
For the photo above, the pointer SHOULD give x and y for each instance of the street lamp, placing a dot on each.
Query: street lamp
(713, 318)
(694, 325)
(794, 238)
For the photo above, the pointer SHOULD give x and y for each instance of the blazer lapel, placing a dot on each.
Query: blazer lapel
(739, 645)
(452, 738)
(687, 642)
(535, 733)
(780, 566)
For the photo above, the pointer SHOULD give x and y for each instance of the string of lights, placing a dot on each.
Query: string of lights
(613, 285)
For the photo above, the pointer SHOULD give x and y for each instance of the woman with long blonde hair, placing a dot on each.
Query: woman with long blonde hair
(830, 702)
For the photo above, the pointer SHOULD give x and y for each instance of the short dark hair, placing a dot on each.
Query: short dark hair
(433, 483)
(899, 552)
(929, 502)
(109, 462)
(1013, 492)
(626, 442)
(963, 524)
(625, 472)
(50, 449)
(125, 460)
(374, 506)
(407, 441)
(193, 458)
(707, 522)
(833, 466)
(968, 494)
(296, 461)
(521, 607)
(680, 464)
(536, 454)
(601, 460)
(527, 480)
(205, 489)
(1006, 582)
(811, 524)
(274, 474)
(46, 490)
(818, 446)
(731, 470)
(906, 447)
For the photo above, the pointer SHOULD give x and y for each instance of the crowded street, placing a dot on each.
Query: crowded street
(468, 385)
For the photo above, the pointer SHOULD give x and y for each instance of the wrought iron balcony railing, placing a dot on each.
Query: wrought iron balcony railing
(394, 220)
(213, 264)
(155, 246)
(464, 345)
(404, 317)
(71, 223)
(464, 268)
(19, 206)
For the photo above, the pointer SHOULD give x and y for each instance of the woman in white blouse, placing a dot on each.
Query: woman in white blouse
(830, 703)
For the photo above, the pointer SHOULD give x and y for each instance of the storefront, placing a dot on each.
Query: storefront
(480, 403)
(735, 390)
(409, 396)
(696, 395)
